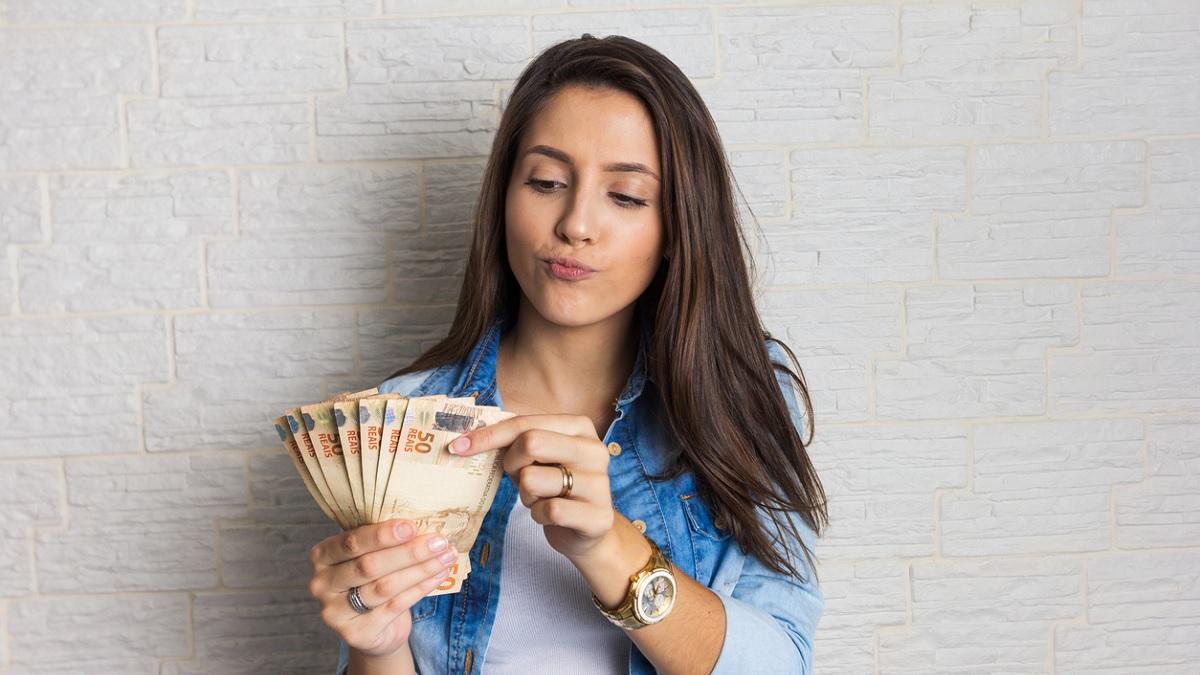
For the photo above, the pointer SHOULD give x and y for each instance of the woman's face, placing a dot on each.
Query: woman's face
(573, 195)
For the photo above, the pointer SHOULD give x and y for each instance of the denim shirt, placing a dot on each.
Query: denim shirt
(769, 618)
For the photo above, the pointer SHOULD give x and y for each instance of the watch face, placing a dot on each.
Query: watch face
(655, 597)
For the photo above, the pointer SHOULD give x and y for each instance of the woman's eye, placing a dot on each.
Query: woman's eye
(547, 186)
(540, 185)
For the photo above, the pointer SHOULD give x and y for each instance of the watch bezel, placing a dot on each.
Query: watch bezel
(643, 583)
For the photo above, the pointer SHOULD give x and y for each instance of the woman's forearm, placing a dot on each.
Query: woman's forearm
(400, 663)
(690, 638)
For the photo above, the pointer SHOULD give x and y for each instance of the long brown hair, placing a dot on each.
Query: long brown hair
(708, 353)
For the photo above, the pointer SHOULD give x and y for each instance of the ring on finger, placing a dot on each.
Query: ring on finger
(568, 481)
(356, 602)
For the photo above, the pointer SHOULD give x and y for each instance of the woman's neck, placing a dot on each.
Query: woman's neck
(556, 369)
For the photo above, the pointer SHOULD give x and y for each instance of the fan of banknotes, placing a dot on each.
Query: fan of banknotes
(368, 457)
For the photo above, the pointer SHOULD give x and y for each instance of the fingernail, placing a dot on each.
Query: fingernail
(403, 530)
(448, 556)
(437, 544)
(459, 444)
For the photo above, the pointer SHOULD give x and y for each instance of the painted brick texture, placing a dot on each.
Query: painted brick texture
(976, 223)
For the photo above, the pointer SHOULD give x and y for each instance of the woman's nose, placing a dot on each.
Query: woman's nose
(577, 224)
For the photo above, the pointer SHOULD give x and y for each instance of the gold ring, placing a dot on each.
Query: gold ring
(568, 481)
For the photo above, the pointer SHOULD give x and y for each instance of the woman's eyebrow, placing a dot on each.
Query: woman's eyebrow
(555, 153)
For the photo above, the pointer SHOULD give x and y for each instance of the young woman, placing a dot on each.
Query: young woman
(657, 492)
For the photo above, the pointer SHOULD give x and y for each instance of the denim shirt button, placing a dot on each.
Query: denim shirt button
(640, 525)
(614, 448)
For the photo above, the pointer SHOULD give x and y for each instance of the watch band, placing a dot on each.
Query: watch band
(625, 614)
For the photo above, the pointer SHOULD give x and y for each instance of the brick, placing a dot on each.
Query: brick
(81, 369)
(1139, 71)
(249, 129)
(761, 184)
(880, 485)
(232, 10)
(832, 351)
(983, 616)
(80, 11)
(233, 346)
(103, 277)
(1175, 173)
(314, 269)
(61, 85)
(242, 370)
(270, 555)
(1165, 239)
(25, 506)
(1162, 511)
(20, 211)
(46, 355)
(1041, 487)
(432, 6)
(972, 72)
(1042, 210)
(145, 206)
(175, 489)
(394, 337)
(1142, 615)
(142, 523)
(126, 241)
(451, 193)
(841, 232)
(8, 292)
(1157, 242)
(685, 36)
(975, 351)
(258, 632)
(210, 414)
(408, 121)
(228, 60)
(1139, 350)
(428, 269)
(451, 49)
(278, 496)
(16, 563)
(313, 199)
(860, 597)
(20, 222)
(797, 72)
(100, 633)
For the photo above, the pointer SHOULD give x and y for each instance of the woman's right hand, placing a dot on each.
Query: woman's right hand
(393, 568)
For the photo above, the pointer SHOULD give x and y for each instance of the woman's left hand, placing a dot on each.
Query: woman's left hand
(574, 525)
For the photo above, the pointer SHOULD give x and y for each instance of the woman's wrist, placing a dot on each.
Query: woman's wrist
(399, 661)
(609, 565)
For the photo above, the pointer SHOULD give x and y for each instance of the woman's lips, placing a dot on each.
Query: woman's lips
(569, 269)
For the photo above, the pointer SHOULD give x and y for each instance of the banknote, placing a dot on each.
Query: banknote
(442, 491)
(367, 457)
(345, 417)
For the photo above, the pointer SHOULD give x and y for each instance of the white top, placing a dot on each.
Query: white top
(545, 620)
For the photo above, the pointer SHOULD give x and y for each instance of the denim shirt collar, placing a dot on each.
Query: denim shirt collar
(478, 377)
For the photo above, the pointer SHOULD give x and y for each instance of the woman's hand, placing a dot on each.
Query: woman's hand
(574, 525)
(393, 568)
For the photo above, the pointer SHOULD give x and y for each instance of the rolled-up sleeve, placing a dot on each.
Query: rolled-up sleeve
(771, 618)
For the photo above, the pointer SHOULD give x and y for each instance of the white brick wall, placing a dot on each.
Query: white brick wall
(979, 228)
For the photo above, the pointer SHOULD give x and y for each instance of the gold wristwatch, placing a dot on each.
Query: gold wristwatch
(650, 597)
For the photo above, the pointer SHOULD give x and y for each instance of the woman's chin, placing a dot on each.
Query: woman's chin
(572, 315)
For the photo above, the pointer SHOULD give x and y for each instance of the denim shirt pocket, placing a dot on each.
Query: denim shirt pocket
(707, 540)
